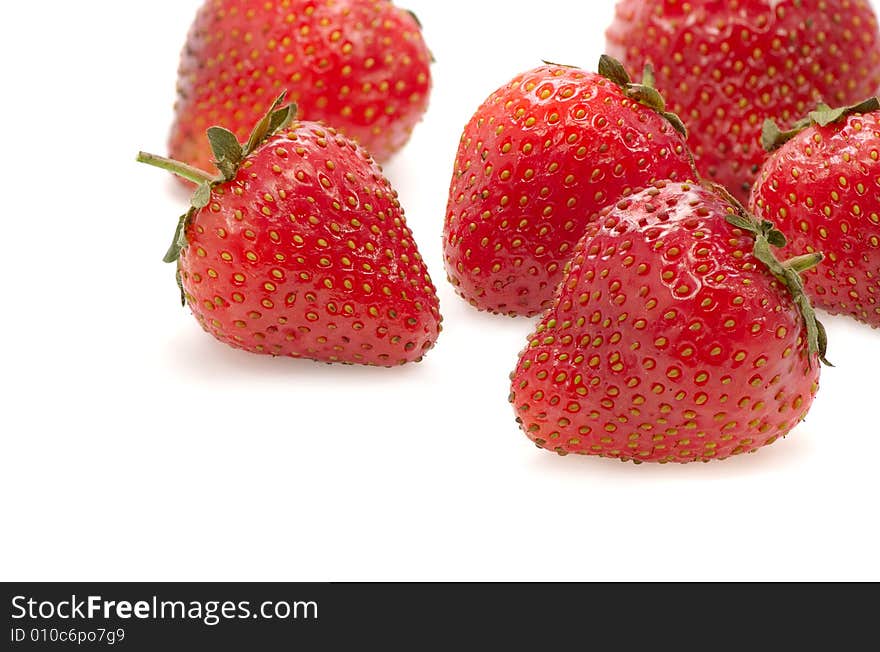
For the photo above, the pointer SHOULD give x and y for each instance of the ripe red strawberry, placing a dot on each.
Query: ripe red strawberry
(360, 66)
(727, 65)
(300, 248)
(820, 188)
(675, 336)
(536, 163)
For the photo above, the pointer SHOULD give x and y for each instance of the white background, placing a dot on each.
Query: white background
(136, 447)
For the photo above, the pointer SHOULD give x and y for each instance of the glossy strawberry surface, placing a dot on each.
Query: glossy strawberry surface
(535, 164)
(821, 189)
(361, 66)
(306, 253)
(668, 341)
(727, 65)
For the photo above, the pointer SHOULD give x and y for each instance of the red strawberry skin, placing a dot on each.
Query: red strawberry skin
(668, 341)
(360, 66)
(821, 190)
(306, 253)
(535, 164)
(727, 65)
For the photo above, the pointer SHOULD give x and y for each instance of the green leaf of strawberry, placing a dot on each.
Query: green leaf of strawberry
(612, 69)
(228, 152)
(179, 242)
(644, 93)
(275, 120)
(772, 137)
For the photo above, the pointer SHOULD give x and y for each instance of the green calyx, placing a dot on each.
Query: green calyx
(228, 157)
(772, 137)
(644, 93)
(767, 237)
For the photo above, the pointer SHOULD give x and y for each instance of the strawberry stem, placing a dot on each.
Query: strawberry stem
(804, 263)
(182, 170)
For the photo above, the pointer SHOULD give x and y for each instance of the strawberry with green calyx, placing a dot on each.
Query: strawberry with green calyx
(536, 163)
(299, 247)
(676, 335)
(361, 66)
(819, 187)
